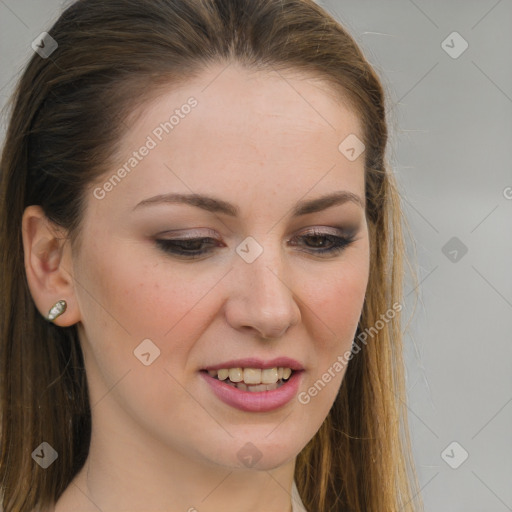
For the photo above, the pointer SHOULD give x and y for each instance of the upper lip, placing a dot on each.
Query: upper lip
(253, 362)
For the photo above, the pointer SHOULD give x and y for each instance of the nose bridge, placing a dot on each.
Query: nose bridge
(263, 260)
(264, 297)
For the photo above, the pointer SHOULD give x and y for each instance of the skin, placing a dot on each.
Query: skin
(161, 440)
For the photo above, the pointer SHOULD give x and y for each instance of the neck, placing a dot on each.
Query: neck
(122, 475)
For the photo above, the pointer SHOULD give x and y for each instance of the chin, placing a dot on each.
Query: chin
(258, 453)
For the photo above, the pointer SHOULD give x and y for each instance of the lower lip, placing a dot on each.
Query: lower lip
(257, 401)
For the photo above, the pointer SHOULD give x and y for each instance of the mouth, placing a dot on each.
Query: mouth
(254, 385)
(253, 379)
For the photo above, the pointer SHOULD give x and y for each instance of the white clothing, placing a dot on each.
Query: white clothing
(297, 505)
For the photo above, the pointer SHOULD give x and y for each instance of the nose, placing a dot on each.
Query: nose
(261, 298)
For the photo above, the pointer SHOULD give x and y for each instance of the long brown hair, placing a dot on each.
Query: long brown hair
(68, 114)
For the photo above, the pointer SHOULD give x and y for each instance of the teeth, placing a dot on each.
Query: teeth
(269, 376)
(259, 387)
(254, 388)
(252, 376)
(236, 375)
(223, 374)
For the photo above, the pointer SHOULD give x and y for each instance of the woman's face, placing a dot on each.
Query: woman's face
(261, 291)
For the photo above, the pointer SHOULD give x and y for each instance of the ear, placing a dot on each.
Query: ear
(48, 265)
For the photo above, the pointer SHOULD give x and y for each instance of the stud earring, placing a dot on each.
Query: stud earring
(56, 310)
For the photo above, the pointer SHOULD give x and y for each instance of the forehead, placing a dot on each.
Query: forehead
(241, 132)
(245, 95)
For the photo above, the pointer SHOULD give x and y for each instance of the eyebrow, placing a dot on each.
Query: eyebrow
(215, 205)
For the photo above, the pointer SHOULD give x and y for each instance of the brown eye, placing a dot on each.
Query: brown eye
(187, 247)
(326, 243)
(317, 241)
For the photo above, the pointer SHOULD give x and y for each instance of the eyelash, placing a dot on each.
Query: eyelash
(340, 243)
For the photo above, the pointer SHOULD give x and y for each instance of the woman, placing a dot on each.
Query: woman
(202, 257)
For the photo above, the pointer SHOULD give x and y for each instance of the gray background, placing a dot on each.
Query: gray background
(451, 150)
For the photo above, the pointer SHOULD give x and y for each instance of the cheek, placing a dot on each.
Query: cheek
(125, 300)
(335, 300)
(139, 297)
(335, 303)
(143, 295)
